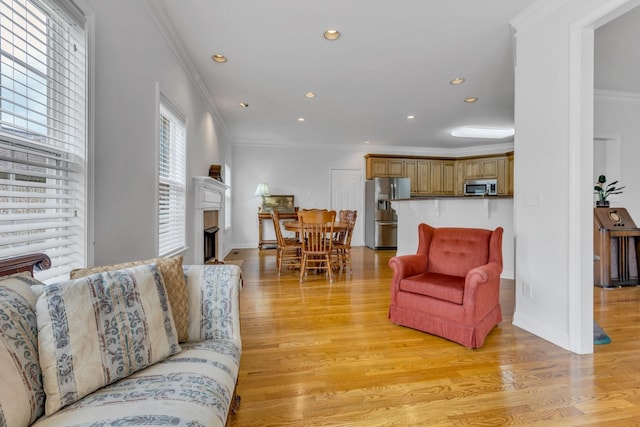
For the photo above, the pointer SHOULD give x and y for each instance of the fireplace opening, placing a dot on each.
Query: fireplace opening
(210, 243)
(210, 226)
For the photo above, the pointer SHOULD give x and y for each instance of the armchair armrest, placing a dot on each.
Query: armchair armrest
(482, 289)
(214, 301)
(406, 266)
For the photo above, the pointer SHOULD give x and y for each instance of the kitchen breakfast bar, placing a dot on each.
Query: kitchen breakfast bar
(457, 211)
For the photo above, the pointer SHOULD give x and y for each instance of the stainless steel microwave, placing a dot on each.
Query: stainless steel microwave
(481, 187)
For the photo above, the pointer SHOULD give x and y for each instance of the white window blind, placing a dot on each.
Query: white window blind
(172, 182)
(42, 135)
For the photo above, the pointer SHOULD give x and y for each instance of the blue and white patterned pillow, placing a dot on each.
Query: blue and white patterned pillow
(213, 301)
(98, 329)
(21, 393)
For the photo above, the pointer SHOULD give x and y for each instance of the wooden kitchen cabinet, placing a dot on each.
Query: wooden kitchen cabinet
(509, 177)
(459, 178)
(396, 168)
(502, 176)
(380, 167)
(433, 176)
(480, 168)
(443, 177)
(470, 169)
(411, 172)
(424, 177)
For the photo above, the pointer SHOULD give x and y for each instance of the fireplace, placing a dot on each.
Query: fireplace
(208, 219)
(210, 224)
(210, 243)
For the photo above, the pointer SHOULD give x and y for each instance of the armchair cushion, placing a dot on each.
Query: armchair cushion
(436, 285)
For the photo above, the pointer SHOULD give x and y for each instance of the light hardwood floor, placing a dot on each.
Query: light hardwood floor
(326, 355)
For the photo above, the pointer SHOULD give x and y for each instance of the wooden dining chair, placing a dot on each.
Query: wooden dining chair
(316, 230)
(342, 242)
(314, 215)
(288, 249)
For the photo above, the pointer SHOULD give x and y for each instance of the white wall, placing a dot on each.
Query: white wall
(475, 212)
(303, 172)
(616, 117)
(131, 57)
(554, 166)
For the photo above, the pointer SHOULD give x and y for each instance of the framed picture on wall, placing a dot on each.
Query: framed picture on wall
(281, 203)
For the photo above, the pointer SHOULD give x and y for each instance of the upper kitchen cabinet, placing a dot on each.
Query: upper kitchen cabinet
(383, 167)
(411, 172)
(480, 168)
(494, 167)
(424, 178)
(443, 177)
(509, 174)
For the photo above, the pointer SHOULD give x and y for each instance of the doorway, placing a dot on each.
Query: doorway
(606, 159)
(346, 193)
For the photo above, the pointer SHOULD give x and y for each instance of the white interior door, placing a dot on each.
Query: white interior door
(346, 193)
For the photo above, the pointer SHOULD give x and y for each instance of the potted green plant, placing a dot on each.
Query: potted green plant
(603, 191)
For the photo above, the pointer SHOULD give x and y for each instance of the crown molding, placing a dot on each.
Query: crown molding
(382, 149)
(533, 14)
(617, 96)
(173, 40)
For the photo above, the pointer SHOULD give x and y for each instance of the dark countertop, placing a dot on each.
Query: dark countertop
(452, 197)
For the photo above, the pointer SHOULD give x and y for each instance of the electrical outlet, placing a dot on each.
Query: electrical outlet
(527, 292)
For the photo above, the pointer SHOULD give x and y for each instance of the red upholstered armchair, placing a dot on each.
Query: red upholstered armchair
(451, 286)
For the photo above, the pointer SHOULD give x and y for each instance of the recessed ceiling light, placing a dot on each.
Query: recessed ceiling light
(243, 104)
(457, 81)
(367, 142)
(470, 100)
(219, 58)
(478, 132)
(309, 95)
(332, 34)
(301, 119)
(411, 117)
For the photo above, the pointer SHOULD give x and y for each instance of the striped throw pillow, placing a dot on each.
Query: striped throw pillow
(173, 276)
(100, 328)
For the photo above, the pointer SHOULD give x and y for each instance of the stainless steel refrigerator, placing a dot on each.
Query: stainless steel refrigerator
(381, 222)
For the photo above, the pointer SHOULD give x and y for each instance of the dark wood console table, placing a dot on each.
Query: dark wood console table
(267, 216)
(616, 246)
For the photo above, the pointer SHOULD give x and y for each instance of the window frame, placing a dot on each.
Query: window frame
(44, 135)
(177, 183)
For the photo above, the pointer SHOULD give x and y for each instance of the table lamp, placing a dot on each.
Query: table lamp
(262, 190)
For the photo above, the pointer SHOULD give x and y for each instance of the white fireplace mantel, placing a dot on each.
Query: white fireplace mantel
(208, 196)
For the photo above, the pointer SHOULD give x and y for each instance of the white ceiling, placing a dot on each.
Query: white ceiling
(394, 58)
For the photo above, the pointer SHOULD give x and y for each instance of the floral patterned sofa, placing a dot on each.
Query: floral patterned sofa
(146, 343)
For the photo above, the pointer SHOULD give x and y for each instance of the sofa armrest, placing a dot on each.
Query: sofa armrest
(482, 289)
(214, 301)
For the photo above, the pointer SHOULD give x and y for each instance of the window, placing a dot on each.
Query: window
(42, 135)
(172, 181)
